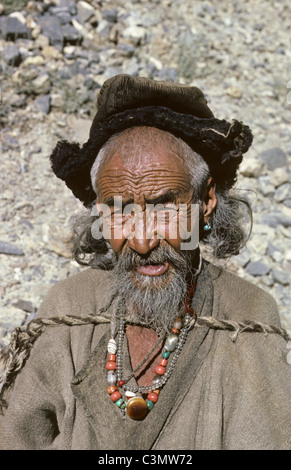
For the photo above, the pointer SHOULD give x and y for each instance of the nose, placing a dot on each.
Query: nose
(143, 246)
(144, 238)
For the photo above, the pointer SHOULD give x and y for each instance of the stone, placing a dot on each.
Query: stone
(36, 32)
(281, 277)
(24, 305)
(266, 188)
(283, 192)
(279, 176)
(69, 52)
(136, 34)
(68, 5)
(234, 92)
(132, 67)
(57, 100)
(79, 27)
(114, 34)
(50, 52)
(272, 249)
(42, 41)
(243, 258)
(11, 55)
(58, 239)
(278, 257)
(42, 84)
(168, 74)
(9, 249)
(17, 100)
(283, 218)
(43, 103)
(283, 231)
(30, 23)
(110, 15)
(286, 301)
(103, 28)
(252, 167)
(52, 28)
(274, 158)
(19, 16)
(274, 219)
(71, 35)
(64, 17)
(84, 11)
(36, 60)
(257, 268)
(80, 126)
(267, 280)
(258, 244)
(11, 28)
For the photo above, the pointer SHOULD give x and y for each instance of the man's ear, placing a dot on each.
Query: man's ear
(210, 200)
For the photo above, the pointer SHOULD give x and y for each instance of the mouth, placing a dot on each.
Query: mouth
(153, 269)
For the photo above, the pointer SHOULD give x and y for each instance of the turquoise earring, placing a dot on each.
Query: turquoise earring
(207, 228)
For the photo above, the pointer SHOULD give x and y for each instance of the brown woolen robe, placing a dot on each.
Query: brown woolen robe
(221, 394)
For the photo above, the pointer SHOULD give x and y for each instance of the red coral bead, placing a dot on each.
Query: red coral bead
(174, 330)
(163, 362)
(111, 357)
(115, 396)
(153, 397)
(110, 365)
(120, 383)
(160, 370)
(111, 389)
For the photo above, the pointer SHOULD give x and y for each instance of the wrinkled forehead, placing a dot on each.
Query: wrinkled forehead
(144, 161)
(143, 148)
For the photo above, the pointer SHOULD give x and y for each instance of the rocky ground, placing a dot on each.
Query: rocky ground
(55, 56)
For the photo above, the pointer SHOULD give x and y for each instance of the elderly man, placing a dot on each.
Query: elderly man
(152, 347)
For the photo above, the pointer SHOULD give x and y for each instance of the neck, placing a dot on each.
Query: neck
(140, 341)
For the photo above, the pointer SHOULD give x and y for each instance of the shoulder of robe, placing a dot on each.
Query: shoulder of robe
(81, 294)
(238, 299)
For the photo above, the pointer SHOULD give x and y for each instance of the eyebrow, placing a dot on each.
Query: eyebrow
(168, 197)
(110, 202)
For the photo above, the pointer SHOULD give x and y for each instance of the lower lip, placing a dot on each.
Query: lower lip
(153, 269)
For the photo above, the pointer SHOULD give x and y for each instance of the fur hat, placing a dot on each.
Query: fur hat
(125, 101)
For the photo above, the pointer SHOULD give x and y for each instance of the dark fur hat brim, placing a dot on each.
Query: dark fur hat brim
(219, 142)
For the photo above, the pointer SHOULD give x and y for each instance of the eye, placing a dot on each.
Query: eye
(168, 208)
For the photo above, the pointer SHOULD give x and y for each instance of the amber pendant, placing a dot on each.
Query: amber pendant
(136, 408)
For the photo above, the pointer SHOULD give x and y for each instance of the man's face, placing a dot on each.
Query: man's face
(145, 167)
(152, 273)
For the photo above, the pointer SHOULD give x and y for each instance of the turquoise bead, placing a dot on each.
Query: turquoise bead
(166, 354)
(150, 404)
(119, 402)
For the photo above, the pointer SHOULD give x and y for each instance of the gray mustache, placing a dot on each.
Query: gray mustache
(159, 255)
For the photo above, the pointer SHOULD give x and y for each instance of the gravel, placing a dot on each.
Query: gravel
(56, 56)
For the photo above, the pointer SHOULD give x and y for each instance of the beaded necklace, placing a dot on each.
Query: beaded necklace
(124, 395)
